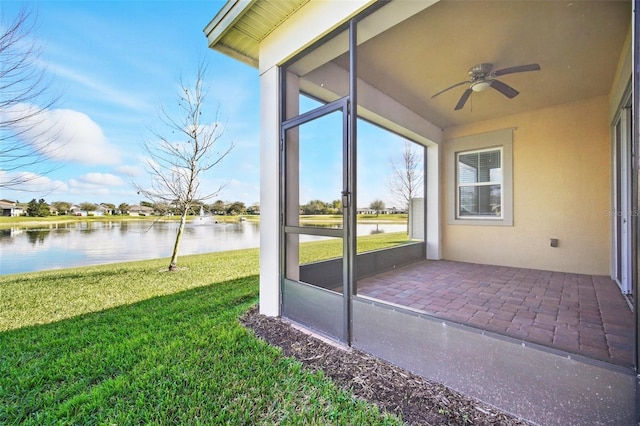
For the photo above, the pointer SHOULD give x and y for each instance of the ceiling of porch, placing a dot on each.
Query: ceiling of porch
(577, 44)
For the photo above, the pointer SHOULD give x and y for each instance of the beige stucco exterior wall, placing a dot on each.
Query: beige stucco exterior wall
(561, 189)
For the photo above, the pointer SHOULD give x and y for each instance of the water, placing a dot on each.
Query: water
(74, 244)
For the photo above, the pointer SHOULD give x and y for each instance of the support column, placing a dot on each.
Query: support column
(269, 193)
(432, 196)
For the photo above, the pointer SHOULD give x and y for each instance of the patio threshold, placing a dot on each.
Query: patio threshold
(584, 315)
(536, 383)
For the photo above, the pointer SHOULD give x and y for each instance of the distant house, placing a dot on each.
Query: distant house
(105, 210)
(138, 210)
(76, 211)
(368, 210)
(102, 210)
(10, 208)
(255, 209)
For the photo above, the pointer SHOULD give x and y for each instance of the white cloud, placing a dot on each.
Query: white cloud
(63, 134)
(91, 187)
(95, 181)
(103, 91)
(33, 186)
(128, 170)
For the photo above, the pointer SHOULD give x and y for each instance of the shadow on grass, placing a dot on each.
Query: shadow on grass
(63, 275)
(222, 296)
(42, 366)
(178, 359)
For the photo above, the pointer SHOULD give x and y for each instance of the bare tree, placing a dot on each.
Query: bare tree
(406, 181)
(176, 163)
(27, 138)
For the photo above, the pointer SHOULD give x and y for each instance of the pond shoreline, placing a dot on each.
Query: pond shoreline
(27, 246)
(30, 222)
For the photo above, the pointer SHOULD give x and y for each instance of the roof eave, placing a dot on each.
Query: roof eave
(224, 20)
(246, 59)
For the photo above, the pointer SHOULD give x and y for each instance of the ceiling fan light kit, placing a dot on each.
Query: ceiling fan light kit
(481, 78)
(480, 86)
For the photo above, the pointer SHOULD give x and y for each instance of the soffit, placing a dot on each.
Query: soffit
(240, 26)
(578, 45)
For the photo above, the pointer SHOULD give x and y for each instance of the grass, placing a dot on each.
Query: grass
(369, 218)
(129, 343)
(43, 297)
(332, 248)
(25, 221)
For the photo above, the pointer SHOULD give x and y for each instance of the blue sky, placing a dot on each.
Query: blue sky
(115, 63)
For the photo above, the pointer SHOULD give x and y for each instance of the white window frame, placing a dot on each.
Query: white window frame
(478, 184)
(499, 139)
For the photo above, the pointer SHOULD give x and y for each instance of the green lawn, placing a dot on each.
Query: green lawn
(130, 343)
(371, 218)
(24, 221)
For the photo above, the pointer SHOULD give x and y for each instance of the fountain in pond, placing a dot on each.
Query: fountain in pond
(203, 219)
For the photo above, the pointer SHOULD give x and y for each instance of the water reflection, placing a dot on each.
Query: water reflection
(37, 236)
(89, 243)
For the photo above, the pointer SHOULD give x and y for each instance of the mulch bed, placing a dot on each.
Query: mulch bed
(417, 400)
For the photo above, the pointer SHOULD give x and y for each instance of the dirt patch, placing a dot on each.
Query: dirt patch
(417, 400)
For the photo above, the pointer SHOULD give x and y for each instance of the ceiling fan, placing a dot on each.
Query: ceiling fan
(481, 77)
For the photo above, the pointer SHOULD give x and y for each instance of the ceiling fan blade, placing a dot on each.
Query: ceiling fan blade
(519, 68)
(463, 99)
(505, 89)
(450, 87)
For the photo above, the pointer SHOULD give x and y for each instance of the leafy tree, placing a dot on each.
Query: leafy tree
(146, 204)
(377, 205)
(218, 207)
(176, 166)
(26, 140)
(62, 207)
(32, 208)
(254, 208)
(88, 207)
(237, 207)
(38, 208)
(314, 207)
(123, 208)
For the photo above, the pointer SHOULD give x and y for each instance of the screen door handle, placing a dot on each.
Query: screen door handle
(346, 196)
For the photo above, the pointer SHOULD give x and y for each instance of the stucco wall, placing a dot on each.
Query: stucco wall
(561, 189)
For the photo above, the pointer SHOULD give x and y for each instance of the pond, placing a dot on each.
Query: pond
(73, 244)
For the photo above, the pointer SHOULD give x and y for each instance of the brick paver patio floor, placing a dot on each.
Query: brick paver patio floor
(581, 314)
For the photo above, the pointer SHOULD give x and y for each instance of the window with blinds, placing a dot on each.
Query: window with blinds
(479, 184)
